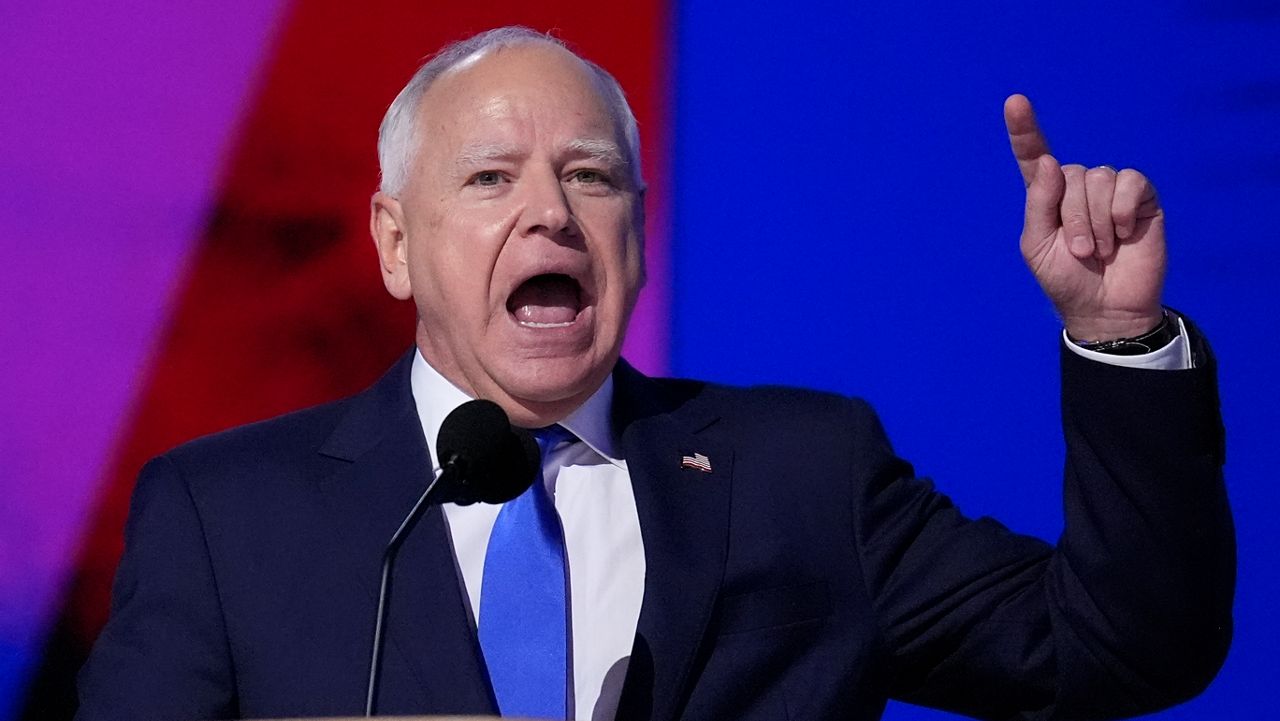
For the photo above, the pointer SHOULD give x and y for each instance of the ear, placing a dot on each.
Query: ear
(386, 225)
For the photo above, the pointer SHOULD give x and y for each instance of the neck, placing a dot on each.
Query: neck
(523, 412)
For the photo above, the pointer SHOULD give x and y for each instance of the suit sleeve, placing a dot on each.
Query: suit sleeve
(1129, 613)
(163, 654)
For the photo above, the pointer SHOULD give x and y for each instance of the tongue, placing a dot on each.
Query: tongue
(546, 299)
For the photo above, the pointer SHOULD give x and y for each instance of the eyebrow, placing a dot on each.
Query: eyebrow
(605, 151)
(481, 153)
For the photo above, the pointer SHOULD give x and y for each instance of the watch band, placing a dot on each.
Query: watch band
(1149, 342)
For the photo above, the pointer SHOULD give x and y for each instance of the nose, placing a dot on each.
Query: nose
(546, 207)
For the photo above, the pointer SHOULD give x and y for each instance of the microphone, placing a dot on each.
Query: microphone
(483, 459)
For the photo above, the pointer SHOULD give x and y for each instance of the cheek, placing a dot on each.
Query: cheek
(621, 235)
(458, 263)
(632, 260)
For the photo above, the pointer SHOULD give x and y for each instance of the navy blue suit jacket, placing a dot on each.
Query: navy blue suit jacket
(809, 575)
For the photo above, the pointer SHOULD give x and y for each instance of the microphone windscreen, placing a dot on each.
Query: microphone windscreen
(494, 461)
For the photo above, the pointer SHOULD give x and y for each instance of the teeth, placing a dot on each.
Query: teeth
(531, 324)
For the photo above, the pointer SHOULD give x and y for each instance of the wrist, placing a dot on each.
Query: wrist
(1157, 336)
(1100, 330)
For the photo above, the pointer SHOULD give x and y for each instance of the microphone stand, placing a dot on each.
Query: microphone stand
(388, 558)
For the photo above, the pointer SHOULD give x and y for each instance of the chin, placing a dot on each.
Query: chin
(546, 383)
(550, 385)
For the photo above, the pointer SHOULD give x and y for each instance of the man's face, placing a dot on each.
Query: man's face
(519, 233)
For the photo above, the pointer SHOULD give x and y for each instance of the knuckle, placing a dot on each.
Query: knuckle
(1076, 220)
(1123, 213)
(1132, 178)
(1100, 200)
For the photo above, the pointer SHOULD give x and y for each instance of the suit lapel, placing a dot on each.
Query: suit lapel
(428, 628)
(684, 521)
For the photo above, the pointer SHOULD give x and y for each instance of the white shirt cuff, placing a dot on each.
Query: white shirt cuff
(1174, 357)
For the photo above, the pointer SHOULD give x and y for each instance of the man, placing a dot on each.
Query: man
(721, 553)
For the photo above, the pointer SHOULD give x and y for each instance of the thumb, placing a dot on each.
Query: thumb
(1044, 199)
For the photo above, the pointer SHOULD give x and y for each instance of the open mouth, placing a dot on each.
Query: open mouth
(550, 300)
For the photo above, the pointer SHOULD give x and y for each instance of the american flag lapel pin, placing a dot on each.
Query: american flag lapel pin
(697, 462)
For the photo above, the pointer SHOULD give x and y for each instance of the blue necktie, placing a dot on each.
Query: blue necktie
(524, 616)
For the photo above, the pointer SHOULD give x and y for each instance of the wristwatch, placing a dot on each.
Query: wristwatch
(1149, 342)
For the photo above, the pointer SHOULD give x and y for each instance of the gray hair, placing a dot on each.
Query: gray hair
(397, 141)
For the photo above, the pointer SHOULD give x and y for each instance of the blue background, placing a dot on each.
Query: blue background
(846, 216)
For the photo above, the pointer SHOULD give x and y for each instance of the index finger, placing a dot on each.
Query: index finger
(1025, 138)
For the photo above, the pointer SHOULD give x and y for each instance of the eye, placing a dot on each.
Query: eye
(486, 178)
(589, 176)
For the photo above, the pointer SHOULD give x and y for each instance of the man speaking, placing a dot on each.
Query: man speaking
(686, 551)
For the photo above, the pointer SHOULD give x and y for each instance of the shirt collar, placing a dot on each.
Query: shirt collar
(435, 398)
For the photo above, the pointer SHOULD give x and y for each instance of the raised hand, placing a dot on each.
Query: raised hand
(1094, 238)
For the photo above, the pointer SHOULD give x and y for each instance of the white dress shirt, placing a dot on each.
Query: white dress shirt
(603, 545)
